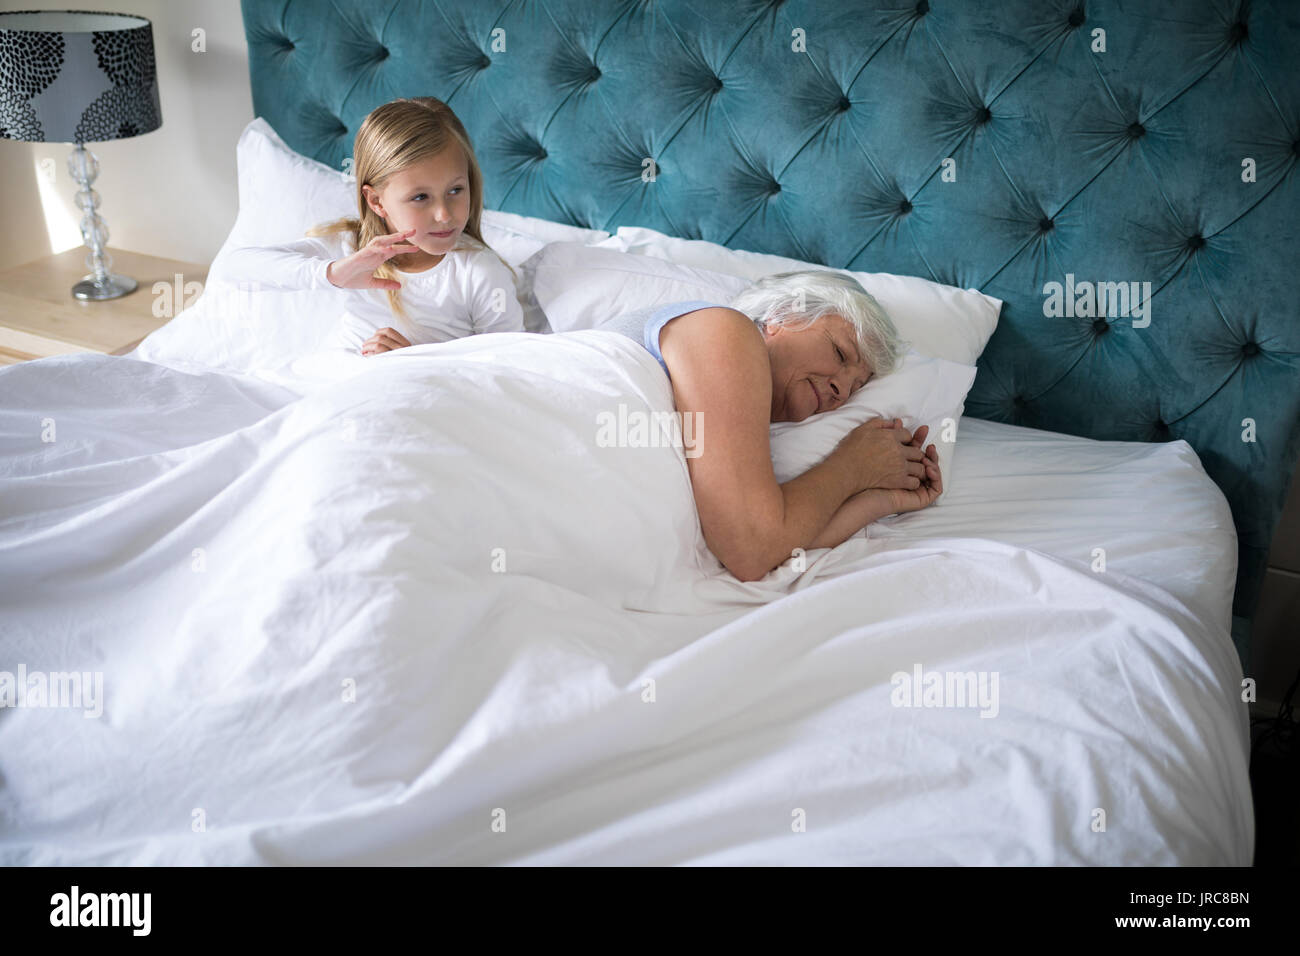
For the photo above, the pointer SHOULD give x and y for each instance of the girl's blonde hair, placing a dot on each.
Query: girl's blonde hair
(391, 138)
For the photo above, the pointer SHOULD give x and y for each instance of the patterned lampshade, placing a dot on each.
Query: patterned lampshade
(76, 77)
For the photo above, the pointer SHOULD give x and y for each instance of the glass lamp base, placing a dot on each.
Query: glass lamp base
(113, 286)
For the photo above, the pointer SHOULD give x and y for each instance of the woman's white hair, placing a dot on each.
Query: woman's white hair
(798, 299)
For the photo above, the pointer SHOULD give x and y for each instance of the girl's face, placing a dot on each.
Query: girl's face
(815, 368)
(430, 196)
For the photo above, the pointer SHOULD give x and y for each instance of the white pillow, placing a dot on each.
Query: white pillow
(579, 287)
(939, 320)
(282, 194)
(517, 238)
(923, 390)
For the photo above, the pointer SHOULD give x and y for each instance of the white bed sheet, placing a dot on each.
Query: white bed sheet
(233, 557)
(1150, 508)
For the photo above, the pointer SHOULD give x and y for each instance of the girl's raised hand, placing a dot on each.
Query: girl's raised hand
(357, 271)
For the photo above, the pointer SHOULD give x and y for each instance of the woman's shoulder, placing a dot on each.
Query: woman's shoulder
(694, 327)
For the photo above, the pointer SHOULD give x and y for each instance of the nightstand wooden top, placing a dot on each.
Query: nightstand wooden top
(39, 315)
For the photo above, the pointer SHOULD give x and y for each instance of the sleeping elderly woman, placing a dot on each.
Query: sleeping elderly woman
(791, 345)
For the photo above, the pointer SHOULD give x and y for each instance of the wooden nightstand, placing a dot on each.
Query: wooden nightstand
(40, 317)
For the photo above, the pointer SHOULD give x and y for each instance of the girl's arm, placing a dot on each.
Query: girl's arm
(301, 264)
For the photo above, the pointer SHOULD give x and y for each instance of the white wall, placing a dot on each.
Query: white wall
(174, 193)
(168, 193)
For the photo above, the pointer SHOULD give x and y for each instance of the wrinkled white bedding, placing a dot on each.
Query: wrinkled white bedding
(415, 613)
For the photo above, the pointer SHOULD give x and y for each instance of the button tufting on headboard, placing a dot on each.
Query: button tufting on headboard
(841, 118)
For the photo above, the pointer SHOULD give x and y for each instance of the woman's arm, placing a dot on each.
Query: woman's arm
(854, 515)
(720, 373)
(875, 503)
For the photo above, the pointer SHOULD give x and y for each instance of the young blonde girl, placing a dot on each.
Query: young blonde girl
(417, 239)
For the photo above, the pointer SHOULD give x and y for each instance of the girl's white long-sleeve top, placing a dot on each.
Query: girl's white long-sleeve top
(470, 291)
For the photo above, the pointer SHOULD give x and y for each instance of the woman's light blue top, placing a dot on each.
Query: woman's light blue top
(644, 325)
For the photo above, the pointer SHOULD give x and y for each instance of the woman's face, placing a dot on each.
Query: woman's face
(815, 368)
(429, 196)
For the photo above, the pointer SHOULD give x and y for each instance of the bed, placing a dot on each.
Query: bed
(412, 612)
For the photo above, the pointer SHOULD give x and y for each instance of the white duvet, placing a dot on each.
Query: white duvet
(420, 614)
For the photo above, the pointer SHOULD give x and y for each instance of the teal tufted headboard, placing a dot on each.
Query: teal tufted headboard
(997, 145)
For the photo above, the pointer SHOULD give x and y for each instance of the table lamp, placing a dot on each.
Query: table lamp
(79, 77)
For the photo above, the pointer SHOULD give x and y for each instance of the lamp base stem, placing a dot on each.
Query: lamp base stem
(111, 286)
